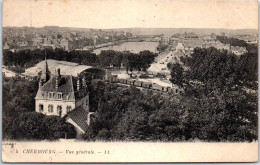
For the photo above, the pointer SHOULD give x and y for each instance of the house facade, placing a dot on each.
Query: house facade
(64, 96)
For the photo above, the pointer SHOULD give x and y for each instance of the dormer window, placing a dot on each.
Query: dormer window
(51, 95)
(68, 96)
(59, 95)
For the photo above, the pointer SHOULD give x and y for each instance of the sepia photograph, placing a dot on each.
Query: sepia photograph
(115, 81)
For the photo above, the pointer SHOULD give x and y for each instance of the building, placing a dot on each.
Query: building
(37, 41)
(64, 43)
(46, 42)
(22, 43)
(6, 46)
(180, 46)
(66, 68)
(64, 96)
(238, 50)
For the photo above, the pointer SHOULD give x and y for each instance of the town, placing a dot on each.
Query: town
(93, 83)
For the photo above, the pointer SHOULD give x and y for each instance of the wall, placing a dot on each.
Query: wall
(55, 103)
(84, 102)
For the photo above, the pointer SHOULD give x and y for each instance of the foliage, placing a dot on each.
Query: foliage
(231, 41)
(18, 96)
(218, 68)
(216, 105)
(36, 126)
(19, 120)
(130, 61)
(28, 58)
(177, 74)
(131, 115)
(162, 47)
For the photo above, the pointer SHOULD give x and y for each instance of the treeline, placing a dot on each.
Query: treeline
(110, 58)
(132, 115)
(219, 103)
(231, 41)
(19, 119)
(219, 68)
(28, 58)
(222, 92)
(130, 61)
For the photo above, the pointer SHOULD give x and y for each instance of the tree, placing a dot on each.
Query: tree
(231, 41)
(177, 74)
(36, 126)
(133, 124)
(30, 127)
(57, 128)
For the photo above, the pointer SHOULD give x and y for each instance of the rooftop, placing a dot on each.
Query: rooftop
(80, 117)
(67, 68)
(65, 86)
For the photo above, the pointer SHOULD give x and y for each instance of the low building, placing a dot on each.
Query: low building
(66, 68)
(238, 50)
(6, 47)
(64, 43)
(22, 43)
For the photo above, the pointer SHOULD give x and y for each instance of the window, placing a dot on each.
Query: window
(68, 109)
(59, 96)
(59, 107)
(68, 96)
(50, 108)
(59, 110)
(51, 95)
(41, 107)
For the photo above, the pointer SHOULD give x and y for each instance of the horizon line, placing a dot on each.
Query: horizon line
(126, 27)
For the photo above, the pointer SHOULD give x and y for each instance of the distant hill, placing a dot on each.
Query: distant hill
(154, 31)
(170, 31)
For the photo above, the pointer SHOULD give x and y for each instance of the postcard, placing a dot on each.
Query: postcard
(129, 81)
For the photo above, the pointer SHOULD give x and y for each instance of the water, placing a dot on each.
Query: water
(134, 47)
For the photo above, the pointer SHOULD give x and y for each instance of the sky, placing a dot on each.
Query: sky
(107, 14)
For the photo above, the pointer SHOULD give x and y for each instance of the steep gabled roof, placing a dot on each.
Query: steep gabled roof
(80, 117)
(65, 84)
(65, 87)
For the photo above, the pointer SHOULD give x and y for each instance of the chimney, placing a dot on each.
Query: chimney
(40, 83)
(78, 84)
(57, 78)
(58, 72)
(89, 117)
(57, 83)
